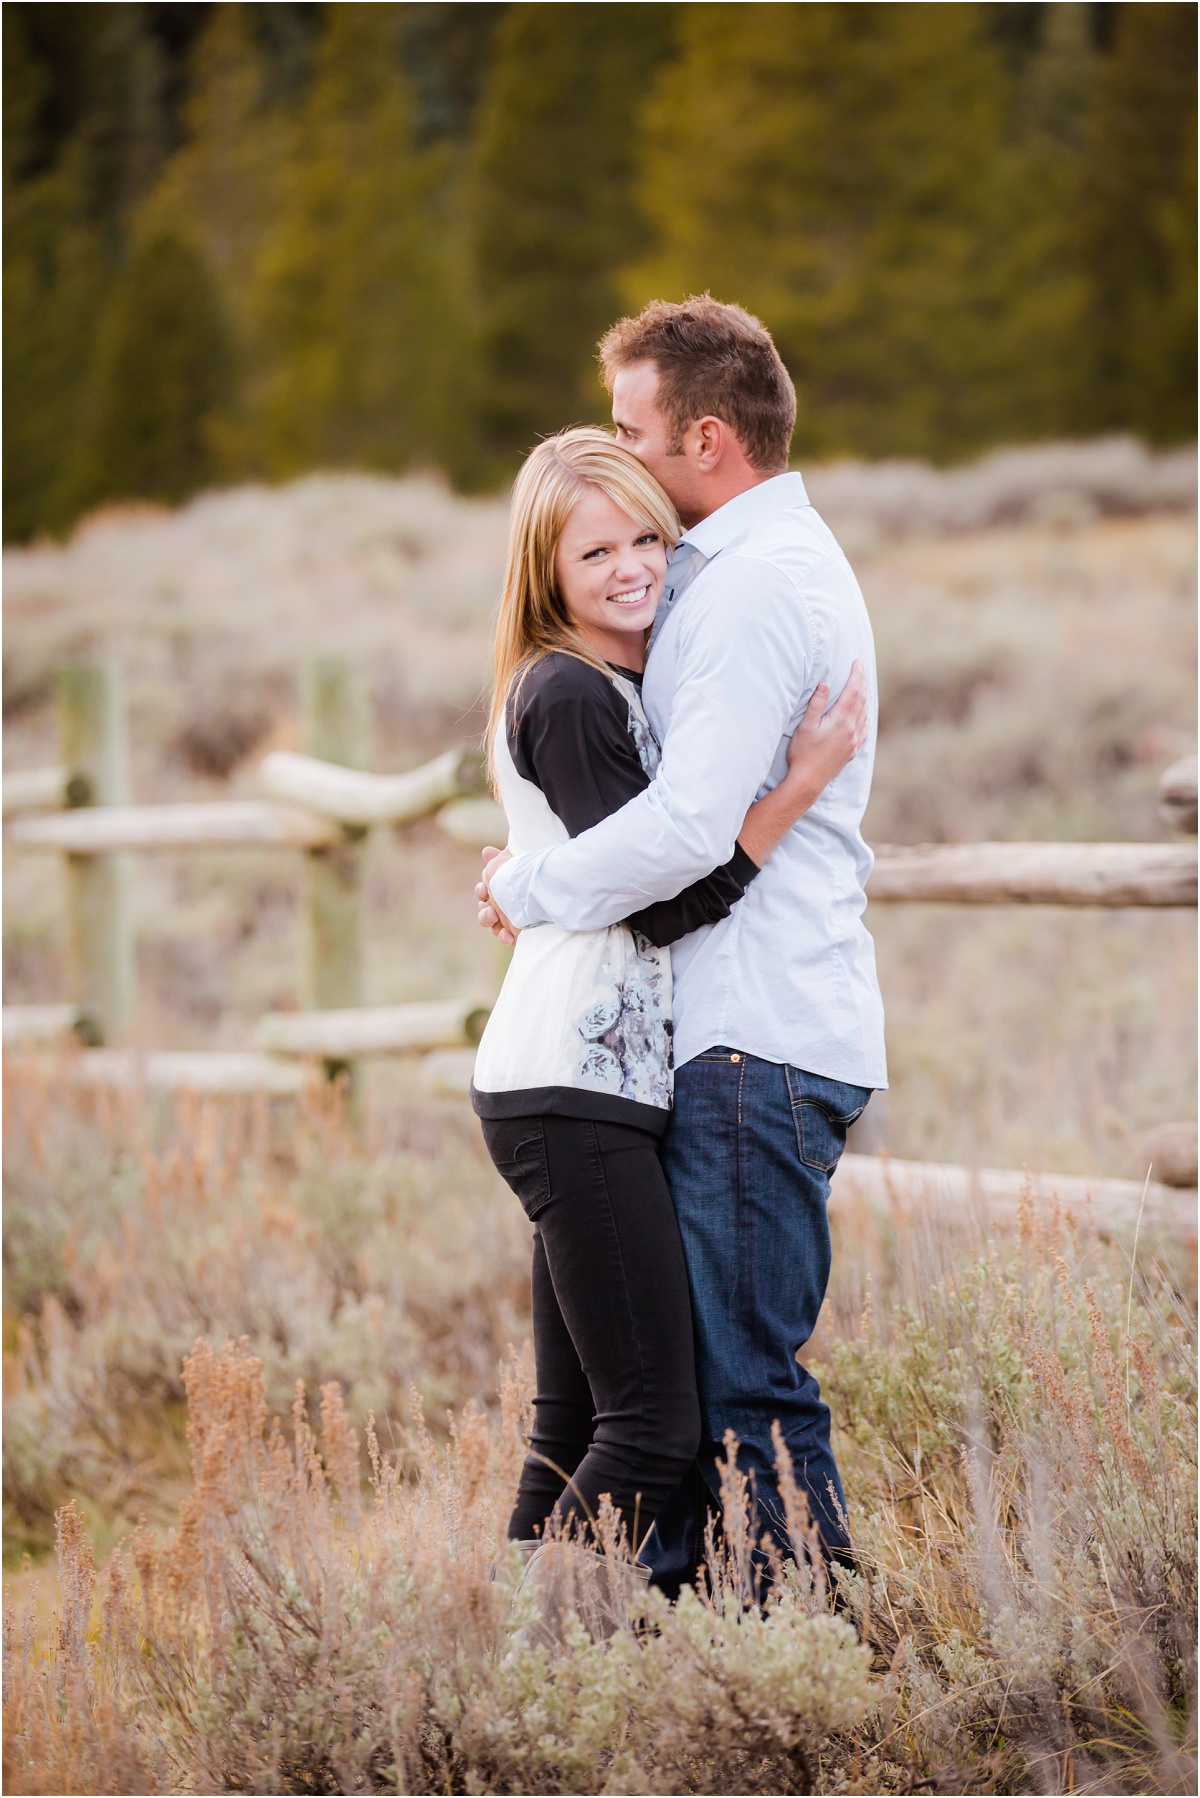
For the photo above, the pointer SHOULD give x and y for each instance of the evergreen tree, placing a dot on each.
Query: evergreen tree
(58, 264)
(85, 128)
(841, 170)
(220, 189)
(447, 53)
(1059, 79)
(221, 192)
(1139, 228)
(164, 371)
(1039, 287)
(355, 309)
(552, 214)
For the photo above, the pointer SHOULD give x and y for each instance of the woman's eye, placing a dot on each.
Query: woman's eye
(593, 553)
(648, 537)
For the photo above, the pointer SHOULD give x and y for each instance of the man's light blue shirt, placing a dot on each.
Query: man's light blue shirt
(760, 605)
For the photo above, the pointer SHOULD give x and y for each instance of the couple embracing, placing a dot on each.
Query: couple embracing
(682, 735)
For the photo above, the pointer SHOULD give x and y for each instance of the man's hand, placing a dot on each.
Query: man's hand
(825, 741)
(490, 916)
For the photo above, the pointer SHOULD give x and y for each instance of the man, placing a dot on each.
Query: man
(778, 1019)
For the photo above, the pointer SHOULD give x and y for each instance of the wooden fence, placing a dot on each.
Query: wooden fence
(323, 803)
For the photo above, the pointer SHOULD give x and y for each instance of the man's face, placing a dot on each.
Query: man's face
(642, 428)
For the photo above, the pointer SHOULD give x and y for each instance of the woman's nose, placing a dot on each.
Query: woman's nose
(631, 565)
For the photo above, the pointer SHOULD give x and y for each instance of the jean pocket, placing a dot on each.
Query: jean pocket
(517, 1147)
(823, 1111)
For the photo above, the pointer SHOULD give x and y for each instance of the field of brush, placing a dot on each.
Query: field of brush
(237, 1609)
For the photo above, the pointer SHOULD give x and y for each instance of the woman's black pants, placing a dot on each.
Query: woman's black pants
(616, 1410)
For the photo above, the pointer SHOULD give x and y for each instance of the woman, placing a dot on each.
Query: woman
(573, 1076)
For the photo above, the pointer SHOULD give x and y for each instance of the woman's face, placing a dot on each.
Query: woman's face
(610, 571)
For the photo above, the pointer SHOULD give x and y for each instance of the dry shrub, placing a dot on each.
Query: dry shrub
(1053, 483)
(1016, 1431)
(132, 1229)
(294, 1636)
(1020, 1463)
(1022, 1454)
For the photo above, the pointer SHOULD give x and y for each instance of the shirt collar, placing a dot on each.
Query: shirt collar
(782, 493)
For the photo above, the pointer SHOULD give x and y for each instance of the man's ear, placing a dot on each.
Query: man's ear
(709, 438)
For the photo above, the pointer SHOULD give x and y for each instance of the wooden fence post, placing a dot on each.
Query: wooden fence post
(100, 952)
(336, 731)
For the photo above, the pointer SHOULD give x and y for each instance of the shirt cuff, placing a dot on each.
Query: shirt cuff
(511, 890)
(742, 866)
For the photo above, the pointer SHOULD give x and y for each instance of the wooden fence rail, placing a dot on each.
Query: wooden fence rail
(101, 830)
(1075, 874)
(282, 1036)
(322, 803)
(1080, 874)
(34, 790)
(221, 1072)
(373, 1029)
(356, 798)
(941, 1195)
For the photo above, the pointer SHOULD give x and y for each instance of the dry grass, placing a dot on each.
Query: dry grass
(1016, 1426)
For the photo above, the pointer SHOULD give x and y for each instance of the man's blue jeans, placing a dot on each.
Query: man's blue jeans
(748, 1155)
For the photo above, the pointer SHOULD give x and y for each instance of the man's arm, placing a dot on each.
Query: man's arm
(745, 664)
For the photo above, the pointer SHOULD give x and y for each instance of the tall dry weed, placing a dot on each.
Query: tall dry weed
(71, 1715)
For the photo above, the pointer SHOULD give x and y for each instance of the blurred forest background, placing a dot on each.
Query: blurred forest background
(244, 241)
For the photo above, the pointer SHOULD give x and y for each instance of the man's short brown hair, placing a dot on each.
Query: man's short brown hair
(712, 360)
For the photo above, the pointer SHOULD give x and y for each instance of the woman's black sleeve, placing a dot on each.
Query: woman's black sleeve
(571, 738)
(704, 902)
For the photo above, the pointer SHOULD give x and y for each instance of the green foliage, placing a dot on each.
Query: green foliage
(447, 56)
(1139, 227)
(222, 187)
(57, 269)
(221, 193)
(84, 132)
(966, 224)
(164, 370)
(842, 170)
(552, 209)
(354, 301)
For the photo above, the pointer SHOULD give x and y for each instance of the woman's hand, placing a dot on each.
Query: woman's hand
(824, 742)
(490, 916)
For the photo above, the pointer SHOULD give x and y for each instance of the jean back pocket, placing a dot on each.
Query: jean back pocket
(823, 1110)
(517, 1147)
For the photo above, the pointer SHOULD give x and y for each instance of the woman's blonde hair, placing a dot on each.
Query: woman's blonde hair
(532, 620)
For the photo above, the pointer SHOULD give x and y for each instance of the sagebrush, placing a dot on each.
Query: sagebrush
(1016, 1430)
